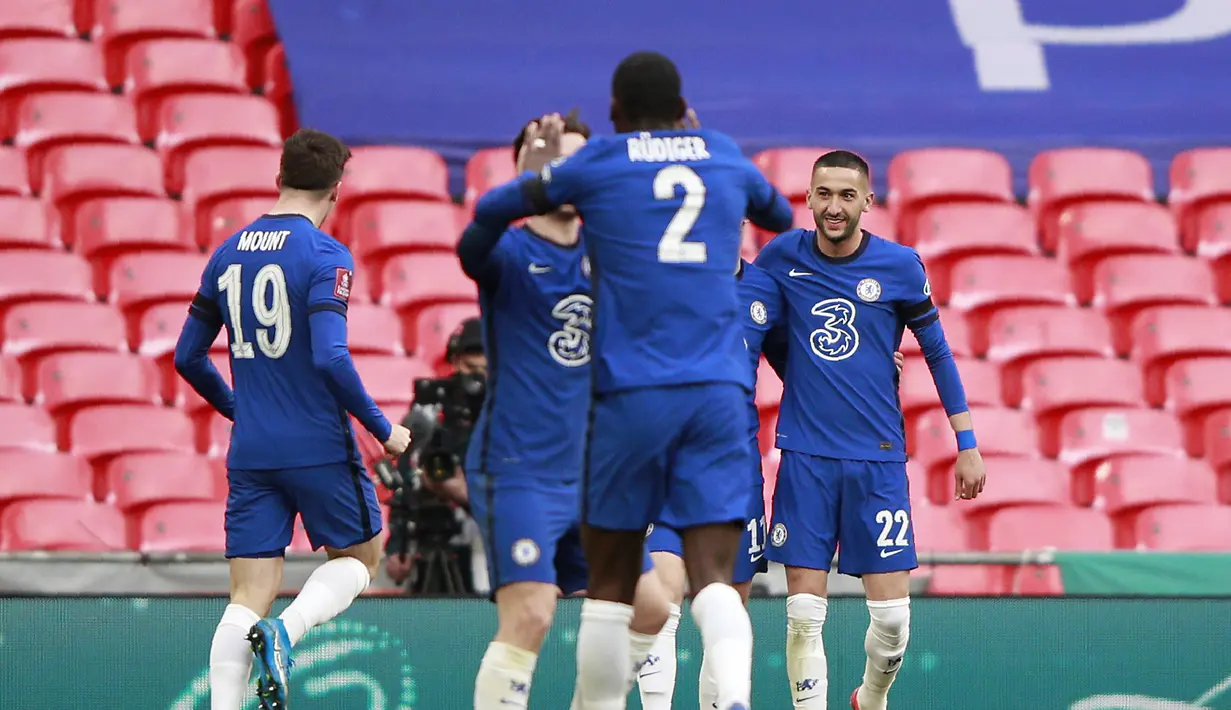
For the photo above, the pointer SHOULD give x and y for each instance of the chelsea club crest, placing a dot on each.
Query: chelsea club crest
(868, 290)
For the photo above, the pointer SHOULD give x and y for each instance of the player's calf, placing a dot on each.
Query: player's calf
(604, 648)
(525, 611)
(886, 638)
(656, 678)
(332, 587)
(726, 631)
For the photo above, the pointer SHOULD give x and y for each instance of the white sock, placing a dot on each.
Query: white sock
(327, 593)
(604, 662)
(504, 676)
(230, 658)
(726, 634)
(806, 667)
(885, 644)
(707, 686)
(656, 679)
(639, 646)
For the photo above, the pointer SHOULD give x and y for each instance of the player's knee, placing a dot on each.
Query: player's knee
(890, 620)
(526, 611)
(805, 615)
(651, 606)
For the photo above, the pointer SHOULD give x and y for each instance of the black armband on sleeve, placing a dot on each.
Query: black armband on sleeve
(205, 310)
(535, 194)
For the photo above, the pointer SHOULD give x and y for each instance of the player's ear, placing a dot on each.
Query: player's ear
(278, 181)
(617, 118)
(334, 193)
(681, 119)
(867, 201)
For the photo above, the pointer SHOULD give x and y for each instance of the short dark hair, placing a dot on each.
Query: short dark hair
(312, 160)
(647, 87)
(572, 124)
(843, 159)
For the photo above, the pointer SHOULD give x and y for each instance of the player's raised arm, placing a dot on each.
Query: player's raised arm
(192, 349)
(767, 208)
(328, 296)
(923, 320)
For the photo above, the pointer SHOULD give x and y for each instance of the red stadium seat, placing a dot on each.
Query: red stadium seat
(183, 527)
(789, 169)
(413, 281)
(158, 69)
(10, 379)
(25, 427)
(983, 284)
(1054, 387)
(1002, 432)
(1185, 528)
(213, 436)
(113, 429)
(1194, 388)
(1019, 336)
(1124, 487)
(62, 525)
(949, 232)
(392, 172)
(433, 328)
(1217, 449)
(1018, 481)
(181, 394)
(1063, 177)
(373, 330)
(380, 229)
(1200, 179)
(391, 380)
(33, 330)
(917, 391)
(14, 176)
(215, 174)
(111, 227)
(43, 64)
(957, 332)
(136, 481)
(944, 529)
(25, 224)
(144, 279)
(159, 327)
(1213, 243)
(277, 88)
(1165, 335)
(227, 217)
(124, 24)
(485, 169)
(41, 18)
(254, 32)
(1090, 232)
(31, 475)
(919, 178)
(223, 21)
(1090, 436)
(69, 381)
(74, 173)
(189, 123)
(769, 387)
(46, 120)
(41, 275)
(1126, 285)
(1041, 527)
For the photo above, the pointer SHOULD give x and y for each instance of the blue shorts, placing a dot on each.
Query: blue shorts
(531, 529)
(682, 449)
(821, 504)
(751, 556)
(337, 503)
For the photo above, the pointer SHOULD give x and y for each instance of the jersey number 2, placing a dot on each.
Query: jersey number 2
(271, 310)
(672, 249)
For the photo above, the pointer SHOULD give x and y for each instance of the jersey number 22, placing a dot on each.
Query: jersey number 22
(273, 311)
(672, 249)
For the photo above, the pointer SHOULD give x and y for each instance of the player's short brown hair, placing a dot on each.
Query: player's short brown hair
(312, 160)
(572, 124)
(843, 159)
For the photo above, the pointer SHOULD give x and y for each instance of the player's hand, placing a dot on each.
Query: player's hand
(690, 122)
(398, 567)
(899, 360)
(542, 142)
(969, 475)
(399, 439)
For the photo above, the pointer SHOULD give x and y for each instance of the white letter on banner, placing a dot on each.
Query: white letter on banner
(1008, 53)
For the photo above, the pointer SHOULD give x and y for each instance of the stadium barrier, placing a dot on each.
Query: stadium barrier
(402, 654)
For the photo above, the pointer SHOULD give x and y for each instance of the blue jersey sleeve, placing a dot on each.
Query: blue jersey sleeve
(767, 208)
(200, 330)
(919, 314)
(328, 295)
(766, 309)
(482, 257)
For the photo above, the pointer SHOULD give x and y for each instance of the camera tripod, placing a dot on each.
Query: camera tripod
(437, 570)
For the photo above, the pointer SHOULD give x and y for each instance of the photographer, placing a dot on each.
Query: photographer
(427, 546)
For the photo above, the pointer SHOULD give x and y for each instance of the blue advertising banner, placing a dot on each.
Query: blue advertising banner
(1017, 76)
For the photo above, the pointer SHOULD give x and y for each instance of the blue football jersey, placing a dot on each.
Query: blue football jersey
(265, 281)
(661, 219)
(845, 318)
(763, 310)
(535, 301)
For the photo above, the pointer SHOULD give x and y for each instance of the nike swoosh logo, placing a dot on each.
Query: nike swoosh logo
(647, 675)
(536, 269)
(801, 700)
(889, 553)
(795, 272)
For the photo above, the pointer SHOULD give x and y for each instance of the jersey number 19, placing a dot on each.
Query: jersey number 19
(272, 310)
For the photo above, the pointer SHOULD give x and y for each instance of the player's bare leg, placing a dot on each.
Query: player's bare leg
(254, 584)
(656, 679)
(707, 686)
(888, 633)
(806, 667)
(524, 611)
(604, 662)
(726, 631)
